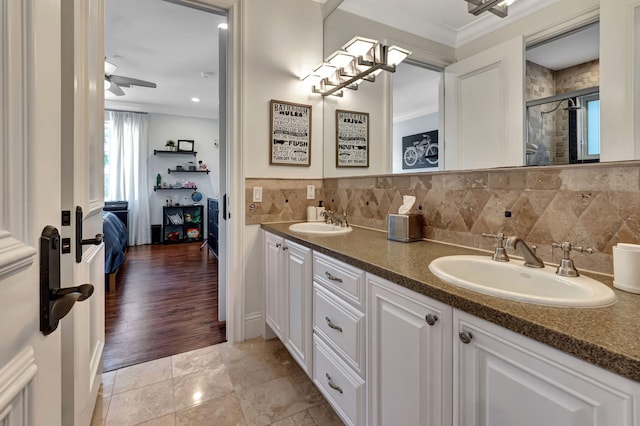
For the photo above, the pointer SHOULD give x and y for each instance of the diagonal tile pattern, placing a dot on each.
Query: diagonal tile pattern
(251, 383)
(594, 205)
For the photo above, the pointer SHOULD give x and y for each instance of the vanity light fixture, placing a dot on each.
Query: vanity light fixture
(497, 7)
(361, 59)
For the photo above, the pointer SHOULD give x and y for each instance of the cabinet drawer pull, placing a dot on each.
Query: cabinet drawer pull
(332, 385)
(332, 278)
(465, 337)
(285, 248)
(431, 319)
(332, 325)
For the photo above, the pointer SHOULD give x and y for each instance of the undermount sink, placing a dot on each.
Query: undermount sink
(512, 280)
(319, 228)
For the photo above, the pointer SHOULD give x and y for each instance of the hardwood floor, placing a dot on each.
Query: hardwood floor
(165, 303)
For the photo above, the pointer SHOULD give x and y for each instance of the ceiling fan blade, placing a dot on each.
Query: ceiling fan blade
(127, 81)
(109, 68)
(115, 89)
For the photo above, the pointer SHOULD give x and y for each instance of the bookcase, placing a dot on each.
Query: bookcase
(182, 224)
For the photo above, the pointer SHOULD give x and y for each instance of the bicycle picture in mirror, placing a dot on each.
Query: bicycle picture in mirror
(420, 151)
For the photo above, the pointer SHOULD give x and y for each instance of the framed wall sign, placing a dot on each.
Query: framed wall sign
(420, 150)
(352, 139)
(185, 145)
(290, 134)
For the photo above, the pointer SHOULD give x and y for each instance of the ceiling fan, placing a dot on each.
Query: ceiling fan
(114, 83)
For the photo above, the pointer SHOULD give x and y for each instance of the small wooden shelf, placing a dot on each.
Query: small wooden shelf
(163, 151)
(188, 171)
(159, 188)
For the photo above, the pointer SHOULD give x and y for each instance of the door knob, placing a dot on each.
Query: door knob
(55, 302)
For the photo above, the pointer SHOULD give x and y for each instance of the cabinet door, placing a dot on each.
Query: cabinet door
(298, 269)
(275, 289)
(409, 372)
(503, 379)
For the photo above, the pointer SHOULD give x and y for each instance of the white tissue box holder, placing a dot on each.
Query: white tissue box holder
(405, 227)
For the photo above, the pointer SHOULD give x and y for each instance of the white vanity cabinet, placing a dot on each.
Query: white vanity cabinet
(288, 287)
(502, 378)
(339, 339)
(410, 357)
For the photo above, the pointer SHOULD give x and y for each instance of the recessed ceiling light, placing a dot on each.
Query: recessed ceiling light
(223, 26)
(194, 99)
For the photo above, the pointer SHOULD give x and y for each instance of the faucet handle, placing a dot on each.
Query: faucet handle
(500, 254)
(566, 267)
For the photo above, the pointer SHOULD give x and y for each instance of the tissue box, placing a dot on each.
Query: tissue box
(405, 227)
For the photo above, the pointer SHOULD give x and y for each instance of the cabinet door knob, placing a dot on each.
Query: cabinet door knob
(285, 248)
(278, 245)
(332, 385)
(465, 337)
(332, 325)
(431, 319)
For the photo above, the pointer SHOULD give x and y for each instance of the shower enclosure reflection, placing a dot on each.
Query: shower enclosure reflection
(564, 129)
(563, 104)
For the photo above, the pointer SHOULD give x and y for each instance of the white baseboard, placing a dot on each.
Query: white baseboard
(253, 325)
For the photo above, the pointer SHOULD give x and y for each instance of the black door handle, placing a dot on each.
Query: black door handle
(95, 241)
(55, 302)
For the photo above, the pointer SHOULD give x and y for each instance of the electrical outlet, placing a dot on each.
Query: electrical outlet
(257, 194)
(311, 192)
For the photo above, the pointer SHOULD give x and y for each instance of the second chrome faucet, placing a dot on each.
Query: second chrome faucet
(514, 243)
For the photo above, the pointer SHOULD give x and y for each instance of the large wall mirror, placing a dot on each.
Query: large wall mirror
(563, 98)
(577, 108)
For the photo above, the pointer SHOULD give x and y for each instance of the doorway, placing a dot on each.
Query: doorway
(167, 59)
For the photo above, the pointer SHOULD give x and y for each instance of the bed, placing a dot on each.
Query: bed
(115, 244)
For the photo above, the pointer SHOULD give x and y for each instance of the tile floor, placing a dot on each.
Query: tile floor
(251, 383)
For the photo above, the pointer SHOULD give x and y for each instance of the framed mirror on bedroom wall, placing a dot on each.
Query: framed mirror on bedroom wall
(569, 101)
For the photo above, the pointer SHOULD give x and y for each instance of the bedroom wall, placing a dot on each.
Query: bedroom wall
(204, 133)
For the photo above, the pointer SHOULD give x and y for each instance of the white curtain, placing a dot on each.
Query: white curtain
(129, 180)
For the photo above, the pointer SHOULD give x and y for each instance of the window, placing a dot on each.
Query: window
(590, 141)
(108, 132)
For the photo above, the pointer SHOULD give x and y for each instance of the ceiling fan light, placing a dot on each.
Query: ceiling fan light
(109, 68)
(195, 99)
(107, 84)
(396, 54)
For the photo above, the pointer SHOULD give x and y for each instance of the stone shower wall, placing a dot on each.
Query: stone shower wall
(594, 205)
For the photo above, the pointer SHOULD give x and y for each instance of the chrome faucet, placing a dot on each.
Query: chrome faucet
(528, 253)
(499, 254)
(566, 267)
(331, 217)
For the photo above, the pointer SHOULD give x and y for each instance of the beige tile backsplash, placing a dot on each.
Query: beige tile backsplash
(590, 205)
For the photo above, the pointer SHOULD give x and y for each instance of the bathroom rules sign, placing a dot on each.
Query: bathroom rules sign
(352, 139)
(290, 134)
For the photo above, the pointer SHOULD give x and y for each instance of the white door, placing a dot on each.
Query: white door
(298, 285)
(410, 355)
(82, 196)
(31, 197)
(484, 109)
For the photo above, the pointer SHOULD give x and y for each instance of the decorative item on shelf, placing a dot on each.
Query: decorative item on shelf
(189, 184)
(158, 180)
(170, 145)
(178, 168)
(360, 59)
(196, 196)
(191, 167)
(202, 166)
(185, 145)
(193, 233)
(173, 236)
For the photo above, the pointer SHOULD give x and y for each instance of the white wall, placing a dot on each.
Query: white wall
(204, 133)
(282, 41)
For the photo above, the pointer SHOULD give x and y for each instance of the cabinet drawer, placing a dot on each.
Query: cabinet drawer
(344, 389)
(343, 279)
(341, 325)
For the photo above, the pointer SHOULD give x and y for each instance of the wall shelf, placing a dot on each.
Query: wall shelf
(163, 151)
(188, 171)
(159, 188)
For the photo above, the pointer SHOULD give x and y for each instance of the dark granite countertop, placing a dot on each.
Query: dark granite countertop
(607, 336)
